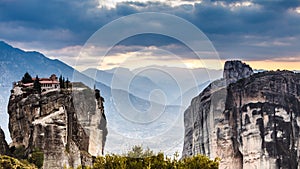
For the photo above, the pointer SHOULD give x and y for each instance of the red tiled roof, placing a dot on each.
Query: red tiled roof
(49, 82)
(41, 79)
(46, 81)
(28, 84)
(42, 82)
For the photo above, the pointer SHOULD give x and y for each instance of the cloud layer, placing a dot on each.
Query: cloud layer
(249, 30)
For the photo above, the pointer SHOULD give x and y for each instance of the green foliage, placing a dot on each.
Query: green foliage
(12, 163)
(62, 82)
(27, 78)
(37, 85)
(200, 161)
(67, 83)
(18, 152)
(154, 162)
(37, 158)
(79, 167)
(97, 94)
(137, 158)
(138, 152)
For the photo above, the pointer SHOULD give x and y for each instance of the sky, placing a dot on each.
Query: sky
(263, 33)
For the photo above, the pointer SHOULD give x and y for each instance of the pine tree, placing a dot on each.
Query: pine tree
(27, 78)
(63, 83)
(37, 85)
(67, 83)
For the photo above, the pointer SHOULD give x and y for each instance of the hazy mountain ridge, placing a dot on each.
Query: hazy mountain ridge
(116, 78)
(15, 62)
(177, 84)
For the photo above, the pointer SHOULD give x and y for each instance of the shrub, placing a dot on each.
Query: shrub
(12, 163)
(137, 158)
(37, 158)
(18, 152)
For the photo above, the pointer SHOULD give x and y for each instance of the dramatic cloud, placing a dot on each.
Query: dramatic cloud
(249, 30)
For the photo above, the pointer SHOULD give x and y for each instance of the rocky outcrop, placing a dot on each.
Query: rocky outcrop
(60, 123)
(4, 149)
(235, 70)
(251, 123)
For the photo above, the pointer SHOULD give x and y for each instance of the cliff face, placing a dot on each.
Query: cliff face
(235, 70)
(4, 149)
(60, 123)
(251, 123)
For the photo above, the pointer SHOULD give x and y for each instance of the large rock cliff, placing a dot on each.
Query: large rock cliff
(4, 149)
(249, 123)
(68, 126)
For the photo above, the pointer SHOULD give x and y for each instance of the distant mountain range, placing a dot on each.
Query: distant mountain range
(149, 105)
(176, 83)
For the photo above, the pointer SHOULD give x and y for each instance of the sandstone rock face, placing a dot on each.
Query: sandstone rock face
(4, 149)
(252, 123)
(58, 123)
(235, 70)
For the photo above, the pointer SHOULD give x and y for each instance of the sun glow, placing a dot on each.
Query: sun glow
(274, 65)
(112, 3)
(297, 10)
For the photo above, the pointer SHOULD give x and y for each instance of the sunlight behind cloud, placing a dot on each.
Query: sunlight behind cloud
(142, 56)
(173, 3)
(241, 4)
(297, 10)
(275, 65)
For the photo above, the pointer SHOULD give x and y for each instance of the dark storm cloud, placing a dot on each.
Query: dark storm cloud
(265, 29)
(240, 32)
(32, 20)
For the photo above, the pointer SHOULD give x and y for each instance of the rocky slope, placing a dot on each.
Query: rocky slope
(249, 123)
(68, 126)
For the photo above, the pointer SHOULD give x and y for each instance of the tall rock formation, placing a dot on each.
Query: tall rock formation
(59, 123)
(249, 123)
(235, 70)
(4, 149)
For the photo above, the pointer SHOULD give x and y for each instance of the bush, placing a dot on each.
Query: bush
(12, 163)
(37, 158)
(139, 159)
(138, 152)
(18, 152)
(154, 162)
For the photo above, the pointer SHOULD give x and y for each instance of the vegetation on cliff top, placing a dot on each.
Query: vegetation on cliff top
(154, 162)
(138, 158)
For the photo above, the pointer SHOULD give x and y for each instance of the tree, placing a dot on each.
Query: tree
(37, 158)
(138, 152)
(27, 78)
(146, 159)
(37, 85)
(67, 83)
(63, 83)
(60, 80)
